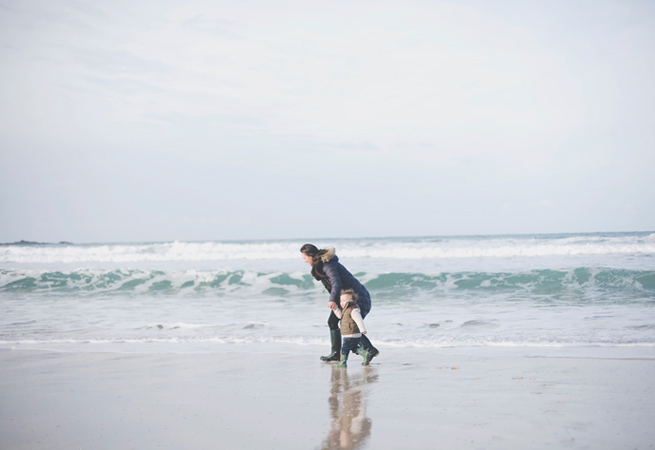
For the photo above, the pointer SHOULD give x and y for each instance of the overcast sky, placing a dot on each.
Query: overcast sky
(151, 120)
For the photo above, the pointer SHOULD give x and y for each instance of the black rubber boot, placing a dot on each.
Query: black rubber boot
(335, 354)
(372, 351)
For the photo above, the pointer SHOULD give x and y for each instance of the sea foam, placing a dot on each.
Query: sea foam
(396, 248)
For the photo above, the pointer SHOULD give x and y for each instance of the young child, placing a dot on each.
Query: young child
(352, 327)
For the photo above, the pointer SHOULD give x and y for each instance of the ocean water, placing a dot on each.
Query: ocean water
(563, 290)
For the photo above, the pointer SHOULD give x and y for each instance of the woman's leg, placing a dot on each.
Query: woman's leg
(335, 339)
(333, 321)
(366, 344)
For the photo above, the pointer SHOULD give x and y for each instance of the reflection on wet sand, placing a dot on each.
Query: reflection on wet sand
(350, 425)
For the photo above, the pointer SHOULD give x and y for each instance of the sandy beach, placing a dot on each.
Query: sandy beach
(471, 398)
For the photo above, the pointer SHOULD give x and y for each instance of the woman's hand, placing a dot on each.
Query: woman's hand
(332, 306)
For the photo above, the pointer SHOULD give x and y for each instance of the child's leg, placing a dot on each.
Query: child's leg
(361, 351)
(349, 345)
(372, 351)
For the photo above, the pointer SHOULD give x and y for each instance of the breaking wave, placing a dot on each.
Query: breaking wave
(140, 281)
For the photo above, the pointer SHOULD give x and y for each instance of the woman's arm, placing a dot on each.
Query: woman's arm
(330, 269)
(332, 272)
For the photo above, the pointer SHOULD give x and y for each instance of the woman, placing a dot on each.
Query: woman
(328, 270)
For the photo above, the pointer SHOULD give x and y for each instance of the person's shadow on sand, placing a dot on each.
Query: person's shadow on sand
(350, 425)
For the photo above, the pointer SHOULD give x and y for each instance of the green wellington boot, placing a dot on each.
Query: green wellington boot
(361, 351)
(372, 351)
(343, 362)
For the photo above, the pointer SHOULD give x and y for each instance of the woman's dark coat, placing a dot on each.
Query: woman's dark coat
(337, 278)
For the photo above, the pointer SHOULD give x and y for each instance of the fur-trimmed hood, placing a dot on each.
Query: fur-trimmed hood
(329, 255)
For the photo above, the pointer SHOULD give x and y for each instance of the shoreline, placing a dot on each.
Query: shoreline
(469, 398)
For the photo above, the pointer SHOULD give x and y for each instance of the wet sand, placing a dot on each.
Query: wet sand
(245, 398)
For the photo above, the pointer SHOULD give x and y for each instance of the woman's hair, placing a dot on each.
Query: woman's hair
(317, 263)
(310, 250)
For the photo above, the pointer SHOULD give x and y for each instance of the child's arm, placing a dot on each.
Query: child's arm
(357, 317)
(337, 312)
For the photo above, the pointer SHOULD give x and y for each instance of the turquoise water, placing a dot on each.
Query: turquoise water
(542, 290)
